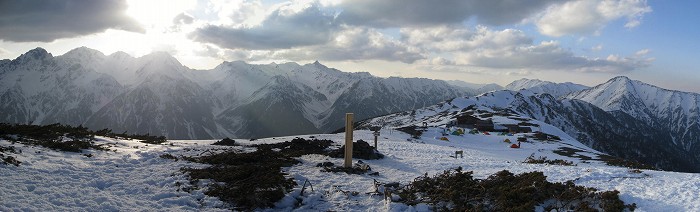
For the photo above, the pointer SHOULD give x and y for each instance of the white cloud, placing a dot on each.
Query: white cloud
(597, 48)
(454, 38)
(183, 18)
(642, 52)
(507, 49)
(355, 43)
(237, 13)
(519, 73)
(549, 55)
(584, 17)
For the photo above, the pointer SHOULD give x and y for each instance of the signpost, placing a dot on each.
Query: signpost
(376, 134)
(348, 140)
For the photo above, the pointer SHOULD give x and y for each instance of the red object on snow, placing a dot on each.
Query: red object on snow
(514, 146)
(487, 133)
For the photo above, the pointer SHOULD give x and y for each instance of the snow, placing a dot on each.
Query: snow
(134, 177)
(539, 86)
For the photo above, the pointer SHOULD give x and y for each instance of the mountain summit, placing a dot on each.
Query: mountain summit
(539, 86)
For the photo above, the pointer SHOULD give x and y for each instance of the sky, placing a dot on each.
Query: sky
(477, 41)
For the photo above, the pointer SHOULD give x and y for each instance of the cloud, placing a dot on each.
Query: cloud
(597, 48)
(642, 52)
(507, 49)
(454, 38)
(47, 20)
(519, 73)
(583, 17)
(355, 44)
(288, 25)
(411, 13)
(183, 18)
(549, 55)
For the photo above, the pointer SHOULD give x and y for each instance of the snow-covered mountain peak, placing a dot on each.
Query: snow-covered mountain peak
(120, 55)
(620, 83)
(161, 57)
(611, 95)
(34, 54)
(83, 53)
(86, 57)
(539, 86)
(526, 83)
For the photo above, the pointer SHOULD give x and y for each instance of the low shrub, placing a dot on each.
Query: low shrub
(65, 137)
(455, 190)
(411, 130)
(360, 149)
(615, 161)
(299, 146)
(544, 160)
(225, 142)
(245, 180)
(54, 136)
(169, 157)
(9, 160)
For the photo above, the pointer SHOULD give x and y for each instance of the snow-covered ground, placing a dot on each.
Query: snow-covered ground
(135, 177)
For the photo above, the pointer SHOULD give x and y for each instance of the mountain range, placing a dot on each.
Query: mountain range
(155, 94)
(621, 117)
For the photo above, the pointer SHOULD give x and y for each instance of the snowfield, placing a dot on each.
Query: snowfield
(133, 176)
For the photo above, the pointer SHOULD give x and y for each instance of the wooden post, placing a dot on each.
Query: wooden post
(348, 140)
(375, 141)
(375, 132)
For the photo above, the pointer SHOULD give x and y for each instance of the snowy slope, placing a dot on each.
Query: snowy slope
(539, 86)
(134, 177)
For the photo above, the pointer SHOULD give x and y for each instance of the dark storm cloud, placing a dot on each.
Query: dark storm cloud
(402, 13)
(281, 29)
(48, 20)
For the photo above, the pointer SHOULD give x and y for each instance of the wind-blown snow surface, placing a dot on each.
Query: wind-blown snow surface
(136, 178)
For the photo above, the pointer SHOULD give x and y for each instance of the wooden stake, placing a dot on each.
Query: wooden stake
(348, 140)
(375, 141)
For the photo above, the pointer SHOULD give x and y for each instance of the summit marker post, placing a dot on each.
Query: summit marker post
(348, 140)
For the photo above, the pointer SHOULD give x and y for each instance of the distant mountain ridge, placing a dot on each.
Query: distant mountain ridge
(156, 94)
(476, 88)
(539, 86)
(676, 112)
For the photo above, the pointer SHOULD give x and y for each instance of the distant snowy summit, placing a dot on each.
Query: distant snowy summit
(539, 86)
